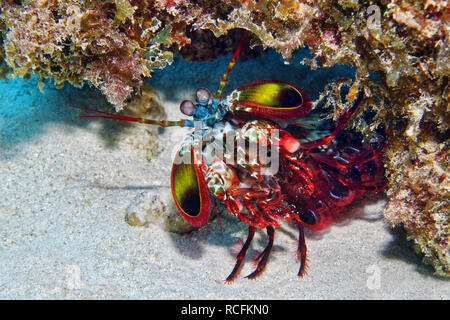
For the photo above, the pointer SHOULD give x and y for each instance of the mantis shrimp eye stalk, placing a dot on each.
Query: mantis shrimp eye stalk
(203, 95)
(187, 107)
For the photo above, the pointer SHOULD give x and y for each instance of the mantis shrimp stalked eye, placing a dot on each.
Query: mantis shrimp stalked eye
(187, 107)
(202, 96)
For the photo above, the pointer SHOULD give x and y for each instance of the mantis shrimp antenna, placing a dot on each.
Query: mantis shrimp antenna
(224, 79)
(161, 123)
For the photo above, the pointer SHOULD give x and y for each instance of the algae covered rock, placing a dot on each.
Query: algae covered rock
(78, 42)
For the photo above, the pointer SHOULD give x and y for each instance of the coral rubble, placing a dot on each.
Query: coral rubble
(115, 44)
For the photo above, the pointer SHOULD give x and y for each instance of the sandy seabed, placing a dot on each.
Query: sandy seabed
(66, 184)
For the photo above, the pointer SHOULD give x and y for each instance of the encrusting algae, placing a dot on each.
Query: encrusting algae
(115, 44)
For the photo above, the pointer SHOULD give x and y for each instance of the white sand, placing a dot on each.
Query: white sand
(66, 184)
